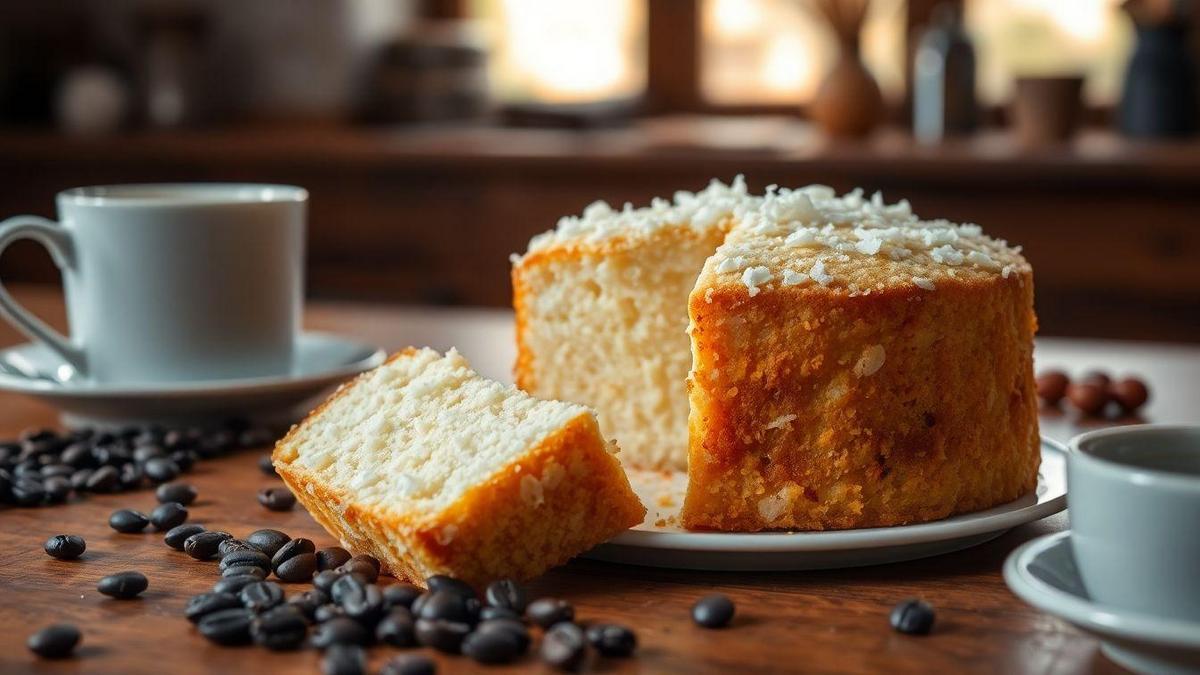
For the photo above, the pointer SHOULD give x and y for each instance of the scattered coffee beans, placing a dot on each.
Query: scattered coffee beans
(246, 557)
(232, 544)
(713, 611)
(128, 521)
(168, 515)
(611, 640)
(235, 584)
(546, 612)
(1091, 394)
(450, 606)
(244, 570)
(291, 549)
(442, 582)
(261, 595)
(297, 569)
(268, 541)
(400, 594)
(65, 546)
(360, 569)
(204, 604)
(409, 664)
(180, 493)
(564, 646)
(178, 535)
(517, 628)
(123, 585)
(161, 469)
(912, 617)
(54, 642)
(266, 466)
(506, 593)
(308, 602)
(277, 499)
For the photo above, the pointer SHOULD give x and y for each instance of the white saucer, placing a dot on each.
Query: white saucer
(1042, 572)
(322, 360)
(659, 542)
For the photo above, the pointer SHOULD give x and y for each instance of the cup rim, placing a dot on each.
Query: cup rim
(1140, 475)
(183, 194)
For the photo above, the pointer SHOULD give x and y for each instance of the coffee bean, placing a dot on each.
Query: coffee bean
(266, 466)
(713, 611)
(177, 536)
(409, 664)
(329, 612)
(297, 569)
(227, 626)
(546, 612)
(366, 607)
(123, 585)
(60, 470)
(185, 459)
(912, 617)
(78, 455)
(180, 493)
(491, 647)
(370, 560)
(102, 480)
(279, 628)
(564, 646)
(232, 544)
(611, 640)
(397, 628)
(324, 580)
(131, 477)
(79, 480)
(161, 469)
(1130, 393)
(268, 541)
(340, 630)
(262, 595)
(513, 626)
(344, 660)
(359, 568)
(506, 593)
(204, 545)
(1089, 399)
(291, 549)
(54, 642)
(332, 558)
(308, 602)
(276, 499)
(449, 606)
(166, 516)
(128, 521)
(346, 586)
(444, 636)
(204, 604)
(144, 453)
(400, 594)
(488, 613)
(65, 546)
(28, 491)
(1052, 386)
(235, 584)
(246, 557)
(56, 489)
(443, 582)
(240, 570)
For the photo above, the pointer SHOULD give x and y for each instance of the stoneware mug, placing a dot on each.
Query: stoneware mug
(171, 282)
(1134, 500)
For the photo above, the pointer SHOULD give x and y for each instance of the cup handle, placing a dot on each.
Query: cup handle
(58, 241)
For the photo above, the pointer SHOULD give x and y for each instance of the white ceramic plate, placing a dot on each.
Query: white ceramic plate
(1042, 572)
(322, 360)
(659, 543)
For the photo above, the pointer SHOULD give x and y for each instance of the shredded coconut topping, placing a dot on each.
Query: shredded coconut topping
(754, 277)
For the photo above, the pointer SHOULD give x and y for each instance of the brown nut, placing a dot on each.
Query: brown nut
(1089, 399)
(1052, 386)
(1096, 377)
(1130, 393)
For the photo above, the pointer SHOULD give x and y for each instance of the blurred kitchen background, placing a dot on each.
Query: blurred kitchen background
(437, 136)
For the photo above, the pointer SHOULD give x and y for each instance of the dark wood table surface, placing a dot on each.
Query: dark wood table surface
(825, 621)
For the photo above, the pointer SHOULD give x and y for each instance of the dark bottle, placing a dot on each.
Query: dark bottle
(1159, 100)
(944, 79)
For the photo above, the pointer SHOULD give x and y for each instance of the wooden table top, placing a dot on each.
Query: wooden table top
(826, 621)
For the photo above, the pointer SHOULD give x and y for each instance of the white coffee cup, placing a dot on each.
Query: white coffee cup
(172, 282)
(1134, 499)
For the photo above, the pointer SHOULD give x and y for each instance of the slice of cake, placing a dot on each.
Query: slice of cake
(435, 470)
(854, 366)
(601, 310)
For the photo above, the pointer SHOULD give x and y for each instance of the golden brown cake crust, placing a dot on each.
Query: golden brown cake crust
(559, 499)
(789, 430)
